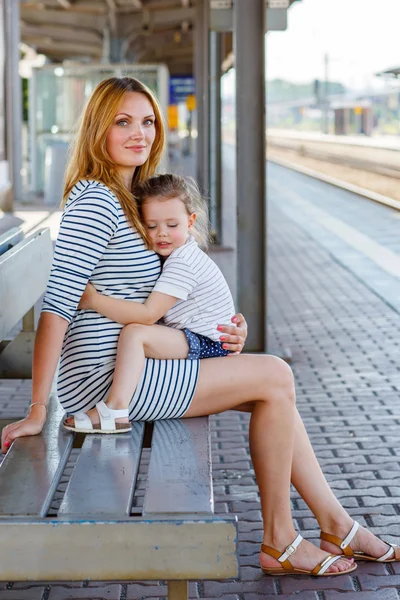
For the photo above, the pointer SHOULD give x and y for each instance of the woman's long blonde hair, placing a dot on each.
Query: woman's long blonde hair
(89, 158)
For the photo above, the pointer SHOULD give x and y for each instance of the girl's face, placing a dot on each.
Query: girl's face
(167, 222)
(131, 136)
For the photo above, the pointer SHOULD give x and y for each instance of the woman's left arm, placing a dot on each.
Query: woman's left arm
(234, 336)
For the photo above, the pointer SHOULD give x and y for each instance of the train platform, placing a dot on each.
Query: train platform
(334, 300)
(384, 142)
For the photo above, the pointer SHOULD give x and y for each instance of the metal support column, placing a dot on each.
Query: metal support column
(116, 50)
(13, 96)
(201, 60)
(215, 134)
(249, 30)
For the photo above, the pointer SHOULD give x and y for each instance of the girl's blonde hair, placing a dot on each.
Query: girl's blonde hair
(167, 186)
(89, 158)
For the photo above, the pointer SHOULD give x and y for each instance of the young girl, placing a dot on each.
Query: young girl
(191, 294)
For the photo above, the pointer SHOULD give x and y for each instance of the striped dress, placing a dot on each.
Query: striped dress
(205, 299)
(97, 244)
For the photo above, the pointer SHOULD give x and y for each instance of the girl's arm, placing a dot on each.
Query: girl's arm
(126, 311)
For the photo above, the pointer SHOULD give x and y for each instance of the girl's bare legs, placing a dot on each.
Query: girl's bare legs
(136, 342)
(265, 384)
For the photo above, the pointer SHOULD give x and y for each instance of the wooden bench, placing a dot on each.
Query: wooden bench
(95, 533)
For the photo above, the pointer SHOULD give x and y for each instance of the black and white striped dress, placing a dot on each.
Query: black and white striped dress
(96, 243)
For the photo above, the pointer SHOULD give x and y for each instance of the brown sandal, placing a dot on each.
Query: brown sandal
(288, 569)
(392, 555)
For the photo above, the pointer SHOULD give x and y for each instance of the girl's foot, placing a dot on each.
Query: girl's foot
(306, 557)
(95, 419)
(101, 419)
(363, 541)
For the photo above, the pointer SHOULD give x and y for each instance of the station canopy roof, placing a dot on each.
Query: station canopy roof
(150, 31)
(127, 31)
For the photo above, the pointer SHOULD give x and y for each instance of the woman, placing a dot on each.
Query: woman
(120, 142)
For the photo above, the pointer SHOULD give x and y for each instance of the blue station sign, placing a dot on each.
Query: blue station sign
(180, 87)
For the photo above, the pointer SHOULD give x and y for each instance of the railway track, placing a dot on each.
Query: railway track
(373, 173)
(340, 154)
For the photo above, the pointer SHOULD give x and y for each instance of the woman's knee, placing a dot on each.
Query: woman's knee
(278, 379)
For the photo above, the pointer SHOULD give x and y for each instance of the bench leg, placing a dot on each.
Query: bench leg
(177, 590)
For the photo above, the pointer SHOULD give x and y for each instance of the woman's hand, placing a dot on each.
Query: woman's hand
(234, 336)
(88, 296)
(32, 424)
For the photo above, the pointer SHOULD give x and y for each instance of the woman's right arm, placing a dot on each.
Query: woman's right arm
(47, 350)
(86, 229)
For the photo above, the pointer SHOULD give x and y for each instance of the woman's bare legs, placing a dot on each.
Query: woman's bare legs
(265, 383)
(310, 482)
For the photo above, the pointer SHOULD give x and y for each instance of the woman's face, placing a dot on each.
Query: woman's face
(131, 136)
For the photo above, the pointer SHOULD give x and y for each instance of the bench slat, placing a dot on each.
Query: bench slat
(125, 550)
(103, 480)
(24, 271)
(179, 478)
(32, 468)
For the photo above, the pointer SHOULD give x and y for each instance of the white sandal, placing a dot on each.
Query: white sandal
(392, 555)
(288, 569)
(83, 424)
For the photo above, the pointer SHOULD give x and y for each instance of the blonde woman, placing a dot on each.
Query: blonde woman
(102, 240)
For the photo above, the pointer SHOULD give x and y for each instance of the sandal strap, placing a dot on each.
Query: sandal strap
(392, 550)
(325, 564)
(108, 415)
(283, 556)
(82, 420)
(286, 564)
(343, 544)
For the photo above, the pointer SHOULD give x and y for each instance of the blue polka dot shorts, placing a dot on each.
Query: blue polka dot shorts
(201, 346)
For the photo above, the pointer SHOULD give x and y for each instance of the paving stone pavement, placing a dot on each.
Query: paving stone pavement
(345, 345)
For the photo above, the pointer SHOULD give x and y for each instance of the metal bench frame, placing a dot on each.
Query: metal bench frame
(24, 271)
(95, 535)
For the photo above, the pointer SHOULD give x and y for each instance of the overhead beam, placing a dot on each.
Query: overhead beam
(44, 6)
(52, 47)
(65, 3)
(175, 51)
(61, 33)
(154, 6)
(60, 18)
(156, 19)
(142, 40)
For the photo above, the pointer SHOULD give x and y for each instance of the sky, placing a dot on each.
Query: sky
(361, 37)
